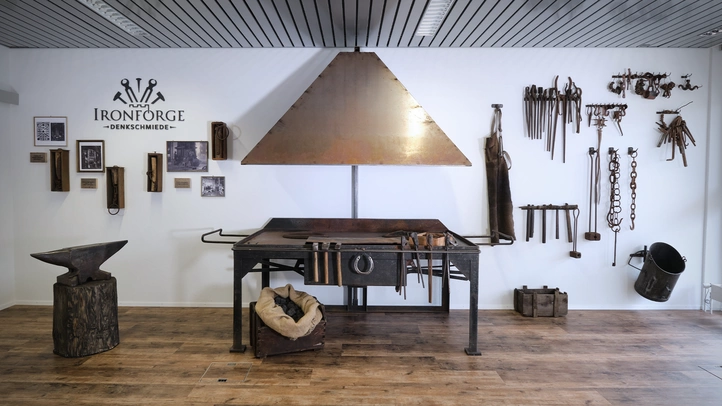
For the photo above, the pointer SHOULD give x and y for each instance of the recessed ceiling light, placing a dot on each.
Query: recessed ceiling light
(114, 16)
(433, 17)
(711, 32)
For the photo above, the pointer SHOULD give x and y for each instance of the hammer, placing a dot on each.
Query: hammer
(544, 224)
(569, 223)
(159, 97)
(430, 246)
(315, 261)
(415, 239)
(324, 247)
(117, 97)
(338, 264)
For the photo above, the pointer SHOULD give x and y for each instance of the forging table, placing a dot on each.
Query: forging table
(357, 253)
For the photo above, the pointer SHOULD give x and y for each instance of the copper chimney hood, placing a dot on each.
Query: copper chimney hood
(356, 113)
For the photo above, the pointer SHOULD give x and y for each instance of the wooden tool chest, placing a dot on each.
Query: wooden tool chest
(543, 302)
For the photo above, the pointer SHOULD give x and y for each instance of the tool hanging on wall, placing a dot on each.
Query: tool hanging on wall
(647, 84)
(676, 133)
(667, 88)
(615, 198)
(571, 112)
(614, 112)
(537, 104)
(687, 85)
(498, 164)
(116, 189)
(594, 177)
(624, 82)
(572, 216)
(542, 108)
(574, 253)
(633, 187)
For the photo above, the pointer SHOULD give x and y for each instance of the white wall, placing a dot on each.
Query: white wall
(165, 263)
(7, 263)
(713, 229)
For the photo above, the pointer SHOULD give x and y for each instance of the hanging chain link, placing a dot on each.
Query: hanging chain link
(633, 187)
(615, 198)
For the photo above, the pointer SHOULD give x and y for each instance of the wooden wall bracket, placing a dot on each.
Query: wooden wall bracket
(59, 170)
(219, 141)
(154, 178)
(116, 189)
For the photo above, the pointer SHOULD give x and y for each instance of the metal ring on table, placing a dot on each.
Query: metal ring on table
(369, 262)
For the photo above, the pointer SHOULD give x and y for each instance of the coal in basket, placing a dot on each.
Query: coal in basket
(273, 331)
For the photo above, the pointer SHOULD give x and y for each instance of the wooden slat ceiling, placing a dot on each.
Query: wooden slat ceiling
(363, 23)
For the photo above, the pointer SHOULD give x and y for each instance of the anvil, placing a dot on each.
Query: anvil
(83, 261)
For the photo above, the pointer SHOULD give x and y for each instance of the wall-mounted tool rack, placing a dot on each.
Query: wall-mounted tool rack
(647, 84)
(571, 212)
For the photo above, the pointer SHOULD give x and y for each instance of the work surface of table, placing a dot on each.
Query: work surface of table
(365, 252)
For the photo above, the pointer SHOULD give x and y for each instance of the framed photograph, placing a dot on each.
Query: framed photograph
(187, 156)
(213, 186)
(91, 155)
(50, 131)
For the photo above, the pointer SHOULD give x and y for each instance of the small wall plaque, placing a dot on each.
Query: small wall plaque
(38, 157)
(182, 183)
(88, 183)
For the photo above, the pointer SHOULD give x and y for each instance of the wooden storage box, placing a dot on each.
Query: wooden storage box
(266, 341)
(543, 302)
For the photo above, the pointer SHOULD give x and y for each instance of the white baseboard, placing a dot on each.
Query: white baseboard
(34, 302)
(177, 304)
(6, 305)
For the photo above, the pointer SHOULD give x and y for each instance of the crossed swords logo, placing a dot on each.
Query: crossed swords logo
(133, 98)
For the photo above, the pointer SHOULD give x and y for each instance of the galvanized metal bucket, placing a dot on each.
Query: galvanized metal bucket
(661, 269)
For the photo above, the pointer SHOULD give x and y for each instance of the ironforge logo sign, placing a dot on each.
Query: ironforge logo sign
(139, 111)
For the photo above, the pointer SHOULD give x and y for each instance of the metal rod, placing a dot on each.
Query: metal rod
(220, 233)
(354, 191)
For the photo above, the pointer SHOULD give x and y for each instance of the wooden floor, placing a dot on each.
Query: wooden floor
(175, 356)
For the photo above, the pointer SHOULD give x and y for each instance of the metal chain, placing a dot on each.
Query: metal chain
(615, 198)
(633, 187)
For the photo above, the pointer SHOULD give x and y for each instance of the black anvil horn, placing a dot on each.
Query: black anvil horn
(83, 261)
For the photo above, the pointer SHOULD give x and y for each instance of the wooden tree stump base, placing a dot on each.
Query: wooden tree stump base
(85, 318)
